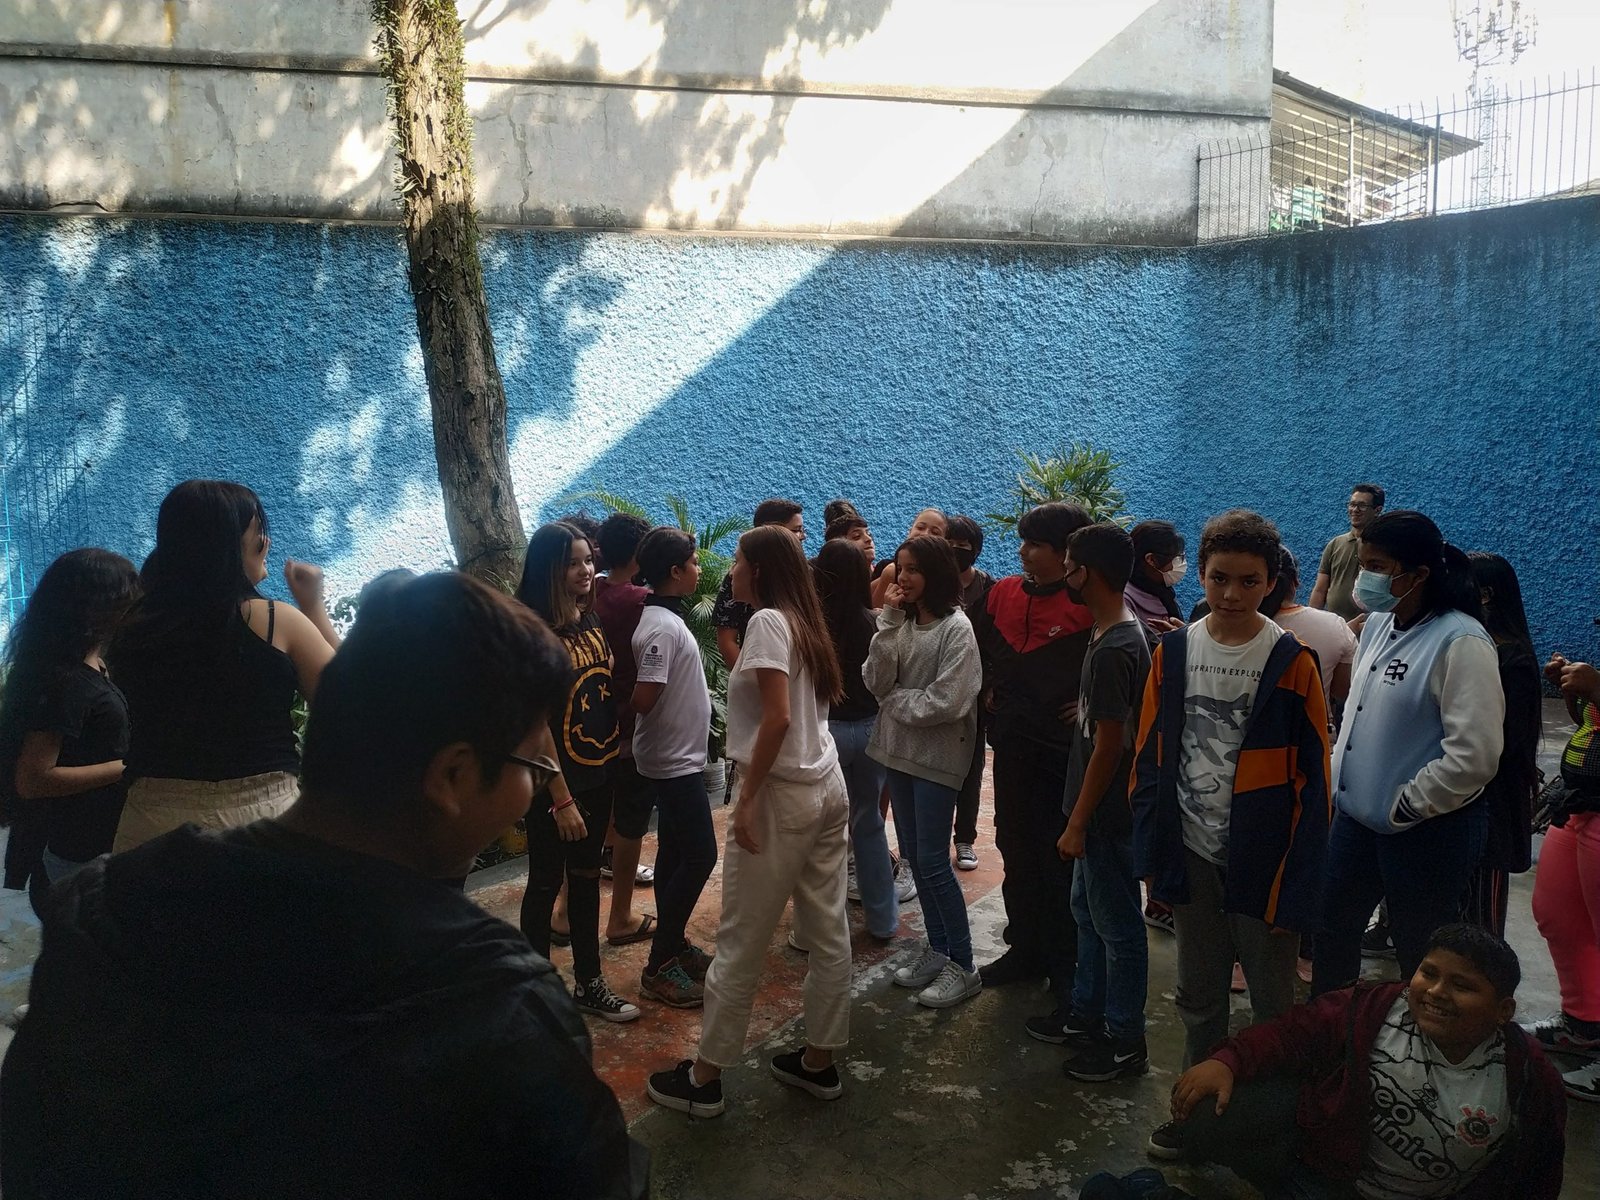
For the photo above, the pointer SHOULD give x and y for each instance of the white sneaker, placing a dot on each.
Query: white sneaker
(905, 884)
(966, 857)
(953, 985)
(922, 972)
(1583, 1083)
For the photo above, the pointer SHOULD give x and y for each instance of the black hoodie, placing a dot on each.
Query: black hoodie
(259, 1014)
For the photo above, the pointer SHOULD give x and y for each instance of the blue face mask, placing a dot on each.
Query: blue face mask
(1372, 591)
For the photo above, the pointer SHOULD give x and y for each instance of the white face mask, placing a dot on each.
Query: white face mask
(1175, 572)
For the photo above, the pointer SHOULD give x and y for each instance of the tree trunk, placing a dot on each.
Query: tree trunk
(423, 55)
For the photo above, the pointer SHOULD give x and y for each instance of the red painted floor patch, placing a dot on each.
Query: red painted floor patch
(625, 1054)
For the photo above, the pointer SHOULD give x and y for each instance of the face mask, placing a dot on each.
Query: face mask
(1074, 594)
(1175, 572)
(965, 556)
(1372, 592)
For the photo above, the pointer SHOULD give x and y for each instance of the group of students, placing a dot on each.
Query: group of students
(1128, 745)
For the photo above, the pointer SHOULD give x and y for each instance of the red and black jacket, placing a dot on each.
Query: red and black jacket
(1033, 639)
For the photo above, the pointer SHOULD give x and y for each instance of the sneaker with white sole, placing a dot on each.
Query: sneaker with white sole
(966, 857)
(1566, 1035)
(1159, 916)
(852, 885)
(597, 999)
(1583, 1083)
(954, 984)
(1377, 942)
(791, 1068)
(922, 972)
(1166, 1142)
(905, 884)
(676, 1089)
(1106, 1058)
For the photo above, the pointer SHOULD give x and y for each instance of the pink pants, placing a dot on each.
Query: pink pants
(1566, 905)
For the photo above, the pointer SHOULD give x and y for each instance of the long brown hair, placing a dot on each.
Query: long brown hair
(782, 580)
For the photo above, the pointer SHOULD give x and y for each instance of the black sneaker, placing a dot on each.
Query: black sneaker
(1059, 1028)
(1376, 942)
(1105, 1058)
(599, 1000)
(1166, 1142)
(1010, 967)
(791, 1069)
(674, 1089)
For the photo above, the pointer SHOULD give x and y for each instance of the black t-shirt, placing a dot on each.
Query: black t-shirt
(1111, 688)
(586, 732)
(91, 715)
(728, 613)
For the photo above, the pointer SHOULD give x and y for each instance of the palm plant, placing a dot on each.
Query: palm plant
(714, 566)
(1078, 473)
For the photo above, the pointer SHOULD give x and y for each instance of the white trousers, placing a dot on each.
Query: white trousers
(802, 833)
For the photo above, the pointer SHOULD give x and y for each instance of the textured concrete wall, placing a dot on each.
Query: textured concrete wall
(1455, 361)
(1054, 122)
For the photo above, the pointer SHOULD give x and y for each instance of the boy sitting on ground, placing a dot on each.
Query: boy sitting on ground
(309, 1006)
(1420, 1088)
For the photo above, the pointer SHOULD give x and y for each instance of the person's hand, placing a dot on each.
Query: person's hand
(1166, 624)
(1580, 681)
(1553, 669)
(1069, 712)
(1209, 1078)
(1357, 624)
(1071, 843)
(894, 596)
(569, 824)
(744, 825)
(305, 583)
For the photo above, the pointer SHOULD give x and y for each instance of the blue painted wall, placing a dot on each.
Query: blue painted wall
(1454, 361)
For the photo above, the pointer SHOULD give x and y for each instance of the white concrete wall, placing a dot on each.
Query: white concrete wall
(1005, 118)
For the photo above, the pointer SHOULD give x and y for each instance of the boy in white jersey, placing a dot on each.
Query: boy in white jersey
(1388, 1091)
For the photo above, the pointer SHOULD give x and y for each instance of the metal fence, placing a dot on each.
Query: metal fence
(1505, 145)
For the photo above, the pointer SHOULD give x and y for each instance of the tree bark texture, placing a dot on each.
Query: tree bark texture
(423, 54)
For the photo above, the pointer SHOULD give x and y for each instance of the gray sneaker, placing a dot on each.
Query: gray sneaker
(953, 985)
(922, 972)
(966, 857)
(905, 884)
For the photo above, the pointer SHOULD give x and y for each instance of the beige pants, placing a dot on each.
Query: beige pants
(801, 831)
(157, 806)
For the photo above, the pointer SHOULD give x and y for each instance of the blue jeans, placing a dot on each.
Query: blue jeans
(1422, 872)
(686, 854)
(1113, 960)
(923, 814)
(863, 782)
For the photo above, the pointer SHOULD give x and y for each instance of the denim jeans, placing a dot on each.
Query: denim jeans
(686, 855)
(863, 780)
(1422, 872)
(923, 812)
(1113, 960)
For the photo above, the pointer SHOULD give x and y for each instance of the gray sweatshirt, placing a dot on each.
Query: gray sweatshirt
(926, 679)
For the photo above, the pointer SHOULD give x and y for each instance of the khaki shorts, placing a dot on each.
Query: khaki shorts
(158, 806)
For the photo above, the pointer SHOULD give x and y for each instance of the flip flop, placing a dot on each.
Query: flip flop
(645, 932)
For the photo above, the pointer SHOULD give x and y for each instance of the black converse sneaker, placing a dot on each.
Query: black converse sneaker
(676, 1089)
(599, 1000)
(791, 1069)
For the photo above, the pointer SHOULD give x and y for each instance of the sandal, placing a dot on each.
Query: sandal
(645, 931)
(560, 937)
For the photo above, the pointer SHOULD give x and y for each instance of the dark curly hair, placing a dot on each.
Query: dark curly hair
(1240, 531)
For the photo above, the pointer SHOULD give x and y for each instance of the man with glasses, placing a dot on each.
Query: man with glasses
(309, 1005)
(1336, 574)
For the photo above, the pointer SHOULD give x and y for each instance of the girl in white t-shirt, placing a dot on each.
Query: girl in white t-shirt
(786, 837)
(672, 722)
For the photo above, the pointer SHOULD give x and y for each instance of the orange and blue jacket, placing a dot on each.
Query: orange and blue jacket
(1278, 826)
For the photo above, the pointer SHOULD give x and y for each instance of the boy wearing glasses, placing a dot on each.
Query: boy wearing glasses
(1336, 573)
(309, 1005)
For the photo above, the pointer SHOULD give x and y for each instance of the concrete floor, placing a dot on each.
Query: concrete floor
(959, 1103)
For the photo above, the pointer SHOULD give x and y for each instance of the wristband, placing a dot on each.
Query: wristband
(555, 808)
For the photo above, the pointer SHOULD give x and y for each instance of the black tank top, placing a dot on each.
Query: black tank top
(208, 709)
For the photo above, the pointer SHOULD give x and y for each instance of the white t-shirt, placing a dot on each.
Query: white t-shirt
(669, 741)
(1217, 696)
(808, 752)
(1435, 1124)
(1328, 635)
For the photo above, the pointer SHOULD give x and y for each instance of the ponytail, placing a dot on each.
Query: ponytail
(1413, 541)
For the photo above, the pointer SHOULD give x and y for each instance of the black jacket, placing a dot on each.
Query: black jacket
(255, 1013)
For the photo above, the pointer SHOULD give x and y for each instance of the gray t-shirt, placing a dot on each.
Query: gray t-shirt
(1340, 563)
(1111, 688)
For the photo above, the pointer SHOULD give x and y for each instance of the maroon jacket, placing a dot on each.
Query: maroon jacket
(1327, 1044)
